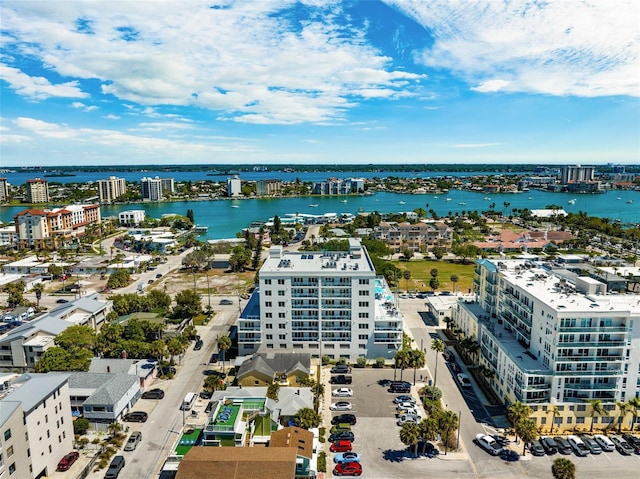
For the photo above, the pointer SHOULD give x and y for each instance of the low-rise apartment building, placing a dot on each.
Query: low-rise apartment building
(418, 237)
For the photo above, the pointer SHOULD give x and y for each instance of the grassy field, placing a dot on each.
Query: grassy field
(420, 275)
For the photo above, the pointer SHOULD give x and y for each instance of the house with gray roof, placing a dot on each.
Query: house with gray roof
(145, 369)
(285, 368)
(103, 398)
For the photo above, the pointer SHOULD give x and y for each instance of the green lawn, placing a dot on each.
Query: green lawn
(420, 274)
(187, 441)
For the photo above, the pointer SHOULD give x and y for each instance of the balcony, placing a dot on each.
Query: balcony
(249, 338)
(606, 387)
(242, 328)
(308, 338)
(589, 359)
(593, 329)
(610, 372)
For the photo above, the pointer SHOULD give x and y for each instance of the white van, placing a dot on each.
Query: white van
(188, 401)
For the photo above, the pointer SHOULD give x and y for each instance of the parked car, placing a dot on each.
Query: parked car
(448, 355)
(62, 301)
(342, 392)
(346, 457)
(488, 443)
(408, 418)
(137, 416)
(563, 445)
(347, 469)
(622, 446)
(633, 441)
(407, 411)
(399, 387)
(117, 463)
(344, 418)
(343, 426)
(166, 370)
(341, 379)
(536, 448)
(464, 380)
(159, 275)
(578, 446)
(67, 461)
(604, 442)
(341, 369)
(198, 345)
(153, 394)
(226, 301)
(592, 444)
(403, 399)
(509, 455)
(133, 441)
(340, 446)
(342, 436)
(341, 406)
(214, 358)
(549, 444)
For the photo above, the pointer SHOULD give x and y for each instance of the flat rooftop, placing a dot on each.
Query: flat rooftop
(341, 263)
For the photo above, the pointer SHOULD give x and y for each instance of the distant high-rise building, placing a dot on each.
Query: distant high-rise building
(4, 190)
(268, 187)
(111, 189)
(37, 191)
(234, 186)
(577, 174)
(168, 186)
(151, 189)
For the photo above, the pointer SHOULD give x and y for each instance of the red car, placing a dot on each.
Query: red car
(340, 446)
(67, 461)
(347, 469)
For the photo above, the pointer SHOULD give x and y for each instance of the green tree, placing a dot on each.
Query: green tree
(406, 274)
(410, 435)
(55, 270)
(563, 469)
(214, 383)
(76, 338)
(188, 304)
(516, 413)
(527, 429)
(38, 288)
(623, 409)
(417, 360)
(402, 360)
(240, 258)
(307, 418)
(407, 254)
(81, 426)
(437, 345)
(447, 423)
(597, 409)
(15, 292)
(224, 344)
(434, 284)
(118, 279)
(273, 391)
(555, 412)
(175, 347)
(59, 359)
(454, 279)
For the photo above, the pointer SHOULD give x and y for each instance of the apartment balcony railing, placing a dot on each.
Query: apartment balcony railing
(612, 372)
(591, 329)
(305, 338)
(589, 359)
(246, 338)
(245, 327)
(606, 387)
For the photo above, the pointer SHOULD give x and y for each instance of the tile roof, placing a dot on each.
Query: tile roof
(238, 463)
(295, 437)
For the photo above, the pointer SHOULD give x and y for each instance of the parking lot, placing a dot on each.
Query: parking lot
(383, 456)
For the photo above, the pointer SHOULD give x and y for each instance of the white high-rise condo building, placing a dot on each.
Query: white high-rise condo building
(151, 189)
(111, 189)
(325, 303)
(551, 336)
(234, 186)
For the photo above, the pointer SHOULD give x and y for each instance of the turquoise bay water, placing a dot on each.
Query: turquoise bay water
(227, 217)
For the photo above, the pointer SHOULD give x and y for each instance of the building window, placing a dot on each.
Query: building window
(282, 325)
(282, 315)
(364, 315)
(362, 346)
(281, 281)
(7, 434)
(283, 346)
(268, 326)
(364, 292)
(280, 292)
(363, 281)
(267, 281)
(267, 304)
(363, 337)
(280, 304)
(10, 451)
(269, 337)
(363, 326)
(267, 292)
(363, 304)
(269, 346)
(580, 420)
(282, 337)
(268, 315)
(12, 468)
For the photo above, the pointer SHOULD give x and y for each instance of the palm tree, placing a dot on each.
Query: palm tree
(447, 422)
(596, 409)
(402, 360)
(563, 469)
(635, 404)
(429, 429)
(623, 409)
(454, 279)
(38, 288)
(317, 388)
(410, 434)
(416, 360)
(437, 345)
(555, 412)
(406, 274)
(516, 413)
(527, 429)
(273, 391)
(224, 343)
(307, 418)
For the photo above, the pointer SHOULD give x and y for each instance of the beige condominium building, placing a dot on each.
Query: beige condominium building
(37, 191)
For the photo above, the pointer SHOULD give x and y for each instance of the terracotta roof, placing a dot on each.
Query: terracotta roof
(32, 211)
(295, 437)
(238, 463)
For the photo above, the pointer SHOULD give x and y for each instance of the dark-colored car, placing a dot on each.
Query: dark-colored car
(536, 448)
(448, 355)
(341, 369)
(62, 301)
(137, 416)
(153, 394)
(622, 446)
(214, 358)
(166, 370)
(117, 463)
(344, 419)
(399, 387)
(340, 446)
(549, 444)
(563, 445)
(342, 436)
(633, 441)
(198, 345)
(67, 461)
(341, 379)
(347, 469)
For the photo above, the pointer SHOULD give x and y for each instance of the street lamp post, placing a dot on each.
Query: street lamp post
(459, 427)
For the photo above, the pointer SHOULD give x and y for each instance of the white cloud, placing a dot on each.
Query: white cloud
(582, 48)
(38, 88)
(248, 60)
(81, 106)
(111, 117)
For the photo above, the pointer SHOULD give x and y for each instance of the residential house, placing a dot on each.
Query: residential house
(285, 368)
(303, 442)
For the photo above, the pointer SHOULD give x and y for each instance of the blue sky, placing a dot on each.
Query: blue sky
(194, 82)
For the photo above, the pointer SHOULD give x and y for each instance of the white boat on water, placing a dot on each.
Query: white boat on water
(447, 199)
(313, 205)
(343, 201)
(630, 201)
(572, 201)
(235, 206)
(462, 203)
(487, 198)
(402, 202)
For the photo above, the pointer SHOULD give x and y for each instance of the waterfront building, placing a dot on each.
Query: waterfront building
(8, 236)
(37, 191)
(576, 174)
(111, 189)
(132, 217)
(168, 186)
(332, 186)
(51, 229)
(42, 404)
(326, 304)
(151, 189)
(553, 338)
(268, 187)
(4, 190)
(418, 237)
(234, 186)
